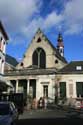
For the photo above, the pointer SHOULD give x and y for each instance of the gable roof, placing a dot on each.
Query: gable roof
(53, 47)
(11, 60)
(74, 67)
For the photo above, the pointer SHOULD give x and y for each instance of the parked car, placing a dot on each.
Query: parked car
(19, 100)
(77, 105)
(76, 109)
(8, 113)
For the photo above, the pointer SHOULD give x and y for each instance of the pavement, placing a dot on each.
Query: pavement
(48, 116)
(42, 113)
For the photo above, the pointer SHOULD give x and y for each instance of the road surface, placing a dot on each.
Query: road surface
(48, 116)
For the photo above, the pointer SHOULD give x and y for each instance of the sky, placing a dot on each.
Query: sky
(22, 18)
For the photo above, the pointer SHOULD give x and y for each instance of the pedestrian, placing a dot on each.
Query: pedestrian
(34, 103)
(40, 103)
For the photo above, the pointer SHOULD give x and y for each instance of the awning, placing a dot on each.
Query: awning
(4, 83)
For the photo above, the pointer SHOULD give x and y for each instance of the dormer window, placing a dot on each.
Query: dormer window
(78, 67)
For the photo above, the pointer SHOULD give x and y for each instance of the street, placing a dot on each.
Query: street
(37, 114)
(46, 117)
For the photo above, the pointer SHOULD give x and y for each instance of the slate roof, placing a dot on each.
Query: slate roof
(71, 68)
(11, 60)
(27, 71)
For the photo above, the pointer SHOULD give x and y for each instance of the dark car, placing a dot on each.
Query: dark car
(8, 113)
(19, 100)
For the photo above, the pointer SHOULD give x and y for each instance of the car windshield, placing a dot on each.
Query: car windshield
(4, 109)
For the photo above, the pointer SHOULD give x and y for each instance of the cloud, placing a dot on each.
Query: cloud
(73, 17)
(74, 29)
(23, 17)
(52, 19)
(70, 19)
(17, 13)
(46, 23)
(32, 27)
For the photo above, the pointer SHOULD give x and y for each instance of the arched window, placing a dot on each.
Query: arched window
(35, 58)
(39, 58)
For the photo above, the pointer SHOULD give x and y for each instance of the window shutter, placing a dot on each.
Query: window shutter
(79, 88)
(62, 89)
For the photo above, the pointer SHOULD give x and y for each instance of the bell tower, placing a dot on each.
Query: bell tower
(60, 45)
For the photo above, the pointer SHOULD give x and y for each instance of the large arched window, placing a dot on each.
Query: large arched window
(39, 58)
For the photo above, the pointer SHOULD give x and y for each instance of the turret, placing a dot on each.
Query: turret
(60, 45)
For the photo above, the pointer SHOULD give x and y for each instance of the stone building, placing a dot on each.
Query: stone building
(70, 80)
(36, 73)
(3, 42)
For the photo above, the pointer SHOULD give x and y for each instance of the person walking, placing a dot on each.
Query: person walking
(40, 103)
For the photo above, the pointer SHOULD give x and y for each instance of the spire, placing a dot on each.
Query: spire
(60, 41)
(60, 45)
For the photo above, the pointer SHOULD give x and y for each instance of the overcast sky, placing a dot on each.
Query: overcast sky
(22, 18)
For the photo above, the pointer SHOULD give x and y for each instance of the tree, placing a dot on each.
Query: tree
(57, 93)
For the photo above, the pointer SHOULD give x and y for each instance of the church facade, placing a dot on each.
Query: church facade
(36, 74)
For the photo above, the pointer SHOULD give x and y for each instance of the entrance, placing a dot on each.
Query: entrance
(13, 82)
(45, 90)
(22, 86)
(33, 88)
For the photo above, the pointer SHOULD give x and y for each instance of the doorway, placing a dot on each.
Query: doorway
(33, 88)
(45, 90)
